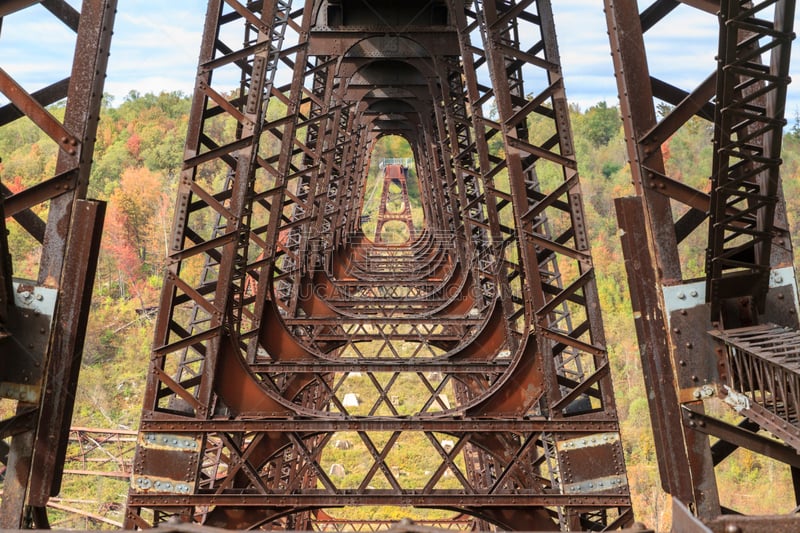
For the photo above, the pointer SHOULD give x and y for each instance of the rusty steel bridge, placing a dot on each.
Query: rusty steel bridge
(480, 338)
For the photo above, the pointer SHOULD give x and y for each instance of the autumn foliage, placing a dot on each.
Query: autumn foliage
(138, 156)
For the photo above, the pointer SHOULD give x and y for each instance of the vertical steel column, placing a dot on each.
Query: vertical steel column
(327, 193)
(687, 468)
(435, 154)
(745, 179)
(499, 256)
(477, 205)
(305, 185)
(70, 239)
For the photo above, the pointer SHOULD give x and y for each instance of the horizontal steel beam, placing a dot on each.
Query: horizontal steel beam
(522, 498)
(450, 425)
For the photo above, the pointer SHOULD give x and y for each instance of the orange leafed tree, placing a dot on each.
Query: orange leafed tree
(134, 226)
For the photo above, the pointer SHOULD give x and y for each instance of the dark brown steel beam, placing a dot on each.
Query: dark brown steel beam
(37, 113)
(741, 438)
(12, 6)
(657, 370)
(456, 499)
(61, 378)
(588, 425)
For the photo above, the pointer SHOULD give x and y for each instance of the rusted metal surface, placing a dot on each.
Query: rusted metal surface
(684, 521)
(653, 341)
(749, 121)
(519, 42)
(66, 349)
(37, 113)
(394, 173)
(742, 221)
(763, 374)
(477, 346)
(6, 273)
(472, 348)
(45, 321)
(328, 523)
(743, 435)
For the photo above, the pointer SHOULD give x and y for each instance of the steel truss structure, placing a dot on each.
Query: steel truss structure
(94, 454)
(476, 347)
(729, 334)
(395, 204)
(43, 321)
(305, 376)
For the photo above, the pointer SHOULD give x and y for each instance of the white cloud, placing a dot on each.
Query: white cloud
(156, 45)
(680, 49)
(36, 48)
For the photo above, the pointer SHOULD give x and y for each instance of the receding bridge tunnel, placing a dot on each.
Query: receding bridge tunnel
(414, 304)
(392, 209)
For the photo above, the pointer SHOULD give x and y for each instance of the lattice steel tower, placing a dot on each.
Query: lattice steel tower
(461, 377)
(393, 193)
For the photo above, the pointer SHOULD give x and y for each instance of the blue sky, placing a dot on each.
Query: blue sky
(156, 44)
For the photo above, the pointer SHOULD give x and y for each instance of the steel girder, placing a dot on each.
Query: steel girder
(43, 322)
(476, 347)
(749, 278)
(394, 174)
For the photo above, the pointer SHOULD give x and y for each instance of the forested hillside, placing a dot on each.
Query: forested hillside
(137, 165)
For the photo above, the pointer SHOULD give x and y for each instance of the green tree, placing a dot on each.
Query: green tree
(601, 123)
